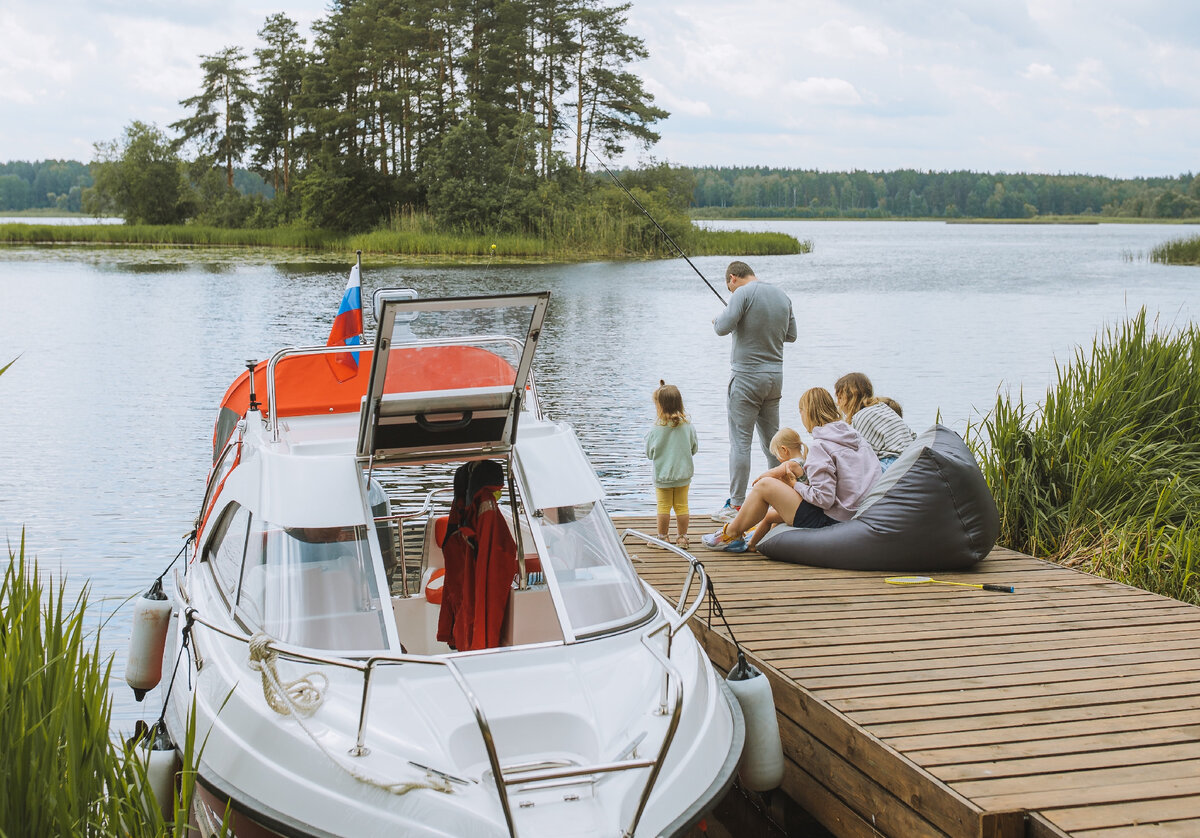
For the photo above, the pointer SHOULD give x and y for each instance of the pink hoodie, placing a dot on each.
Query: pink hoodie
(841, 468)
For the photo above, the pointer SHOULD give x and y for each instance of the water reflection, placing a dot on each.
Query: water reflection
(107, 417)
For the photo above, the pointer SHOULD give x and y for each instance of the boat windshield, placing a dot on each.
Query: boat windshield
(600, 590)
(313, 587)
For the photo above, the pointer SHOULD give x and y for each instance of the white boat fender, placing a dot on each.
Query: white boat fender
(162, 765)
(761, 766)
(148, 638)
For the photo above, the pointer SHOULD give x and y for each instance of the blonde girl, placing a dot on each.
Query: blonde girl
(841, 468)
(788, 448)
(670, 445)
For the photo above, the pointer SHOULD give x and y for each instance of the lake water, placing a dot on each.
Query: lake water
(106, 416)
(59, 220)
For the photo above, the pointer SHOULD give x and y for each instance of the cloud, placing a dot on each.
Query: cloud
(820, 91)
(1040, 72)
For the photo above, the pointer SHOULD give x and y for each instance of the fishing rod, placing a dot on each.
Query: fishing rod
(654, 221)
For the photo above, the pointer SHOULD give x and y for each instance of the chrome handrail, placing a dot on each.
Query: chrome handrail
(672, 727)
(327, 350)
(401, 517)
(501, 780)
(695, 568)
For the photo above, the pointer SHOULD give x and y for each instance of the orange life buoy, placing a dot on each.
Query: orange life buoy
(433, 588)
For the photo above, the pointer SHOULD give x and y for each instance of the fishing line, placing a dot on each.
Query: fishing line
(653, 220)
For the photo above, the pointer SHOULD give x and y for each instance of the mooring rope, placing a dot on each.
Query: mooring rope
(303, 697)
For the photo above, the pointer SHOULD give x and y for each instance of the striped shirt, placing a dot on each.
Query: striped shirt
(883, 429)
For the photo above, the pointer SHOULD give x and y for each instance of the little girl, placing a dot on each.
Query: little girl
(841, 469)
(670, 443)
(790, 451)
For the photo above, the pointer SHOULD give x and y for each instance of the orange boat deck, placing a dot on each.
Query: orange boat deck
(1070, 707)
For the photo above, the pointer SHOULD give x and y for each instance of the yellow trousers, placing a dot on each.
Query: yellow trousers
(676, 497)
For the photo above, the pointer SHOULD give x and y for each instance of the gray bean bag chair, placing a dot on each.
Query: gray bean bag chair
(931, 511)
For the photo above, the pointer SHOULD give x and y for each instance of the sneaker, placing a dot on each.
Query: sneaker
(725, 543)
(726, 513)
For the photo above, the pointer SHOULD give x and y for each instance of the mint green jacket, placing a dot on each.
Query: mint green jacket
(671, 449)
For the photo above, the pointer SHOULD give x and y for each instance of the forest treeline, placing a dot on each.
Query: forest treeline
(910, 193)
(764, 193)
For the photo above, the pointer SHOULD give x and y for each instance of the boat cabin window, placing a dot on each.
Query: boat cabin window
(600, 589)
(312, 587)
(227, 546)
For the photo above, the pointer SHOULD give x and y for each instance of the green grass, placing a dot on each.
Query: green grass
(1182, 251)
(1105, 474)
(61, 773)
(591, 235)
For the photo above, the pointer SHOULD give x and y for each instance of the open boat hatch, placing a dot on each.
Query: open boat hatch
(448, 376)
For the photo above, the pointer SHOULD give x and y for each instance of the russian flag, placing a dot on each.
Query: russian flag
(347, 329)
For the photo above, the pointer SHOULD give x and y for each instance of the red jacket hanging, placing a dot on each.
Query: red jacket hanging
(495, 566)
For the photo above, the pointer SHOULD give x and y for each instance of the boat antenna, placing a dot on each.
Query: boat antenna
(254, 403)
(654, 221)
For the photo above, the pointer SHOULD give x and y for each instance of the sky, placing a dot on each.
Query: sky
(1106, 87)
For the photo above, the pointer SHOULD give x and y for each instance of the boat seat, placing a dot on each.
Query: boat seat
(435, 534)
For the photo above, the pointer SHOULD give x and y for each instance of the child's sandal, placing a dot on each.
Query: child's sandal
(683, 543)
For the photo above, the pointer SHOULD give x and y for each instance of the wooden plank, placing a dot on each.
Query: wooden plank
(1185, 752)
(826, 806)
(861, 792)
(1027, 704)
(908, 682)
(1167, 675)
(1152, 720)
(1054, 798)
(1175, 829)
(1100, 816)
(833, 675)
(1047, 746)
(867, 655)
(1115, 775)
(1000, 719)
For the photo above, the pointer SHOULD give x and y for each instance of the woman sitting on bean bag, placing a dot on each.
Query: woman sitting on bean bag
(841, 468)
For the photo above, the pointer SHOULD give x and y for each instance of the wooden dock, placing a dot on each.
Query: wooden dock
(1070, 707)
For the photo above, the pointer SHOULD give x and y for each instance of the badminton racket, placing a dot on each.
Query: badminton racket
(921, 580)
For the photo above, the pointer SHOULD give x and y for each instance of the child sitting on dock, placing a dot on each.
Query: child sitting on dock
(878, 419)
(670, 444)
(841, 469)
(788, 448)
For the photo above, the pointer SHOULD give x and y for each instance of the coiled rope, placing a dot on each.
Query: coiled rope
(302, 697)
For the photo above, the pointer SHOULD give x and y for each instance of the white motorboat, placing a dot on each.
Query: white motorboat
(408, 612)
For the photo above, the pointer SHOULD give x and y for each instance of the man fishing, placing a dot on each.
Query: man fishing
(760, 317)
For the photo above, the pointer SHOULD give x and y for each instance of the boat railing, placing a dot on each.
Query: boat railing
(400, 518)
(685, 612)
(531, 400)
(516, 775)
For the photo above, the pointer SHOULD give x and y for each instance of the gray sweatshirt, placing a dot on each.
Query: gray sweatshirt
(760, 317)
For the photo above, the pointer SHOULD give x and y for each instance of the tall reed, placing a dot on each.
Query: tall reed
(1105, 474)
(1182, 251)
(61, 773)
